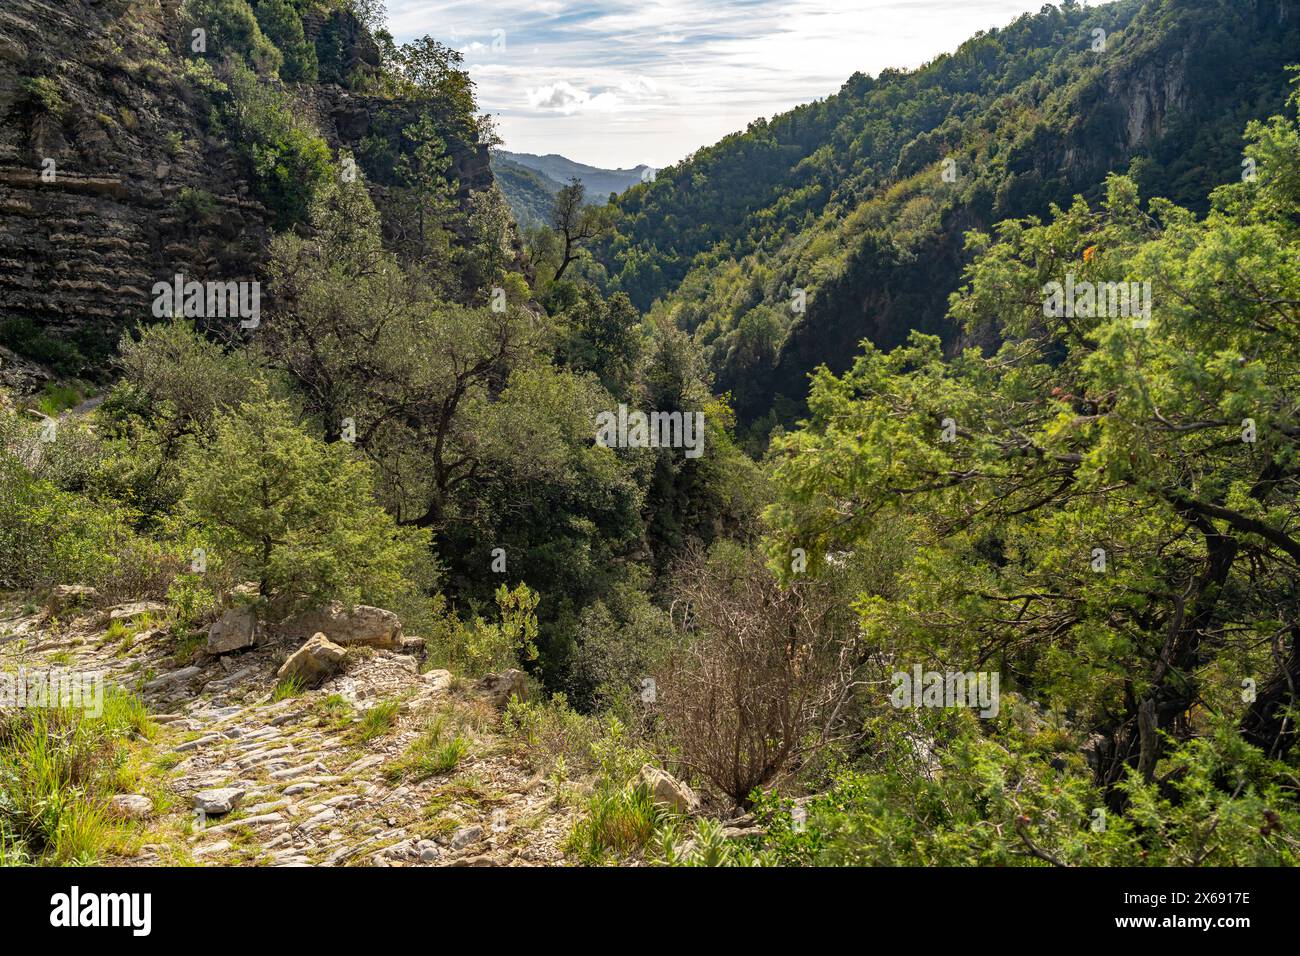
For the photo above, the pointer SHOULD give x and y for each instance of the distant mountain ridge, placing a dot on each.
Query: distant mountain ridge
(529, 193)
(599, 182)
(530, 182)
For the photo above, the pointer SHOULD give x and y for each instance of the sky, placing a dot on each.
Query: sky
(615, 83)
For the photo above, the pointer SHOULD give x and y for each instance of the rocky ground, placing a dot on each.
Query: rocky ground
(327, 777)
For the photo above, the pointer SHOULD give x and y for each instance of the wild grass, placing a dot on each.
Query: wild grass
(58, 767)
(335, 711)
(378, 720)
(550, 732)
(57, 398)
(291, 686)
(618, 821)
(124, 632)
(435, 752)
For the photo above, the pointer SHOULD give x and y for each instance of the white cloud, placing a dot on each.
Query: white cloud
(641, 86)
(564, 97)
(621, 82)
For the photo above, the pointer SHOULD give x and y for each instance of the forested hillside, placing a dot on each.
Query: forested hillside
(861, 200)
(529, 193)
(397, 537)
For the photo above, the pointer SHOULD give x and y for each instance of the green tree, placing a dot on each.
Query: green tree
(576, 224)
(174, 383)
(1104, 507)
(281, 23)
(424, 208)
(492, 249)
(297, 515)
(433, 70)
(601, 336)
(368, 341)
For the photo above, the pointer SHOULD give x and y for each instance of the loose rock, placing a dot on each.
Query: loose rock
(130, 806)
(501, 687)
(667, 791)
(235, 630)
(371, 626)
(218, 801)
(314, 661)
(465, 836)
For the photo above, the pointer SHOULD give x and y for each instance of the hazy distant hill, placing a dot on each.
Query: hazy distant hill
(599, 182)
(530, 182)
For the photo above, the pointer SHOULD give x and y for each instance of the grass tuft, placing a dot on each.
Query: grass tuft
(58, 767)
(433, 753)
(291, 686)
(620, 821)
(378, 720)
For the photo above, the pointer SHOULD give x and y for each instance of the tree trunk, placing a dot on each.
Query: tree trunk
(1265, 724)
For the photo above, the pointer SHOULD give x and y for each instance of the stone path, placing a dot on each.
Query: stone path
(312, 790)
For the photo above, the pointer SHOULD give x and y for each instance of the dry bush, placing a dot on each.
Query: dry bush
(762, 680)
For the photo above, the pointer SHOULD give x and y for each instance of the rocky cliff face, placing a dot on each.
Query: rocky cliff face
(100, 135)
(109, 181)
(1148, 95)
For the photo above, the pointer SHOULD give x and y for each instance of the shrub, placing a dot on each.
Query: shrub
(197, 206)
(48, 536)
(193, 603)
(28, 339)
(71, 461)
(551, 732)
(43, 92)
(283, 26)
(142, 568)
(57, 526)
(478, 648)
(295, 514)
(287, 159)
(174, 383)
(232, 31)
(621, 640)
(758, 687)
(980, 796)
(170, 371)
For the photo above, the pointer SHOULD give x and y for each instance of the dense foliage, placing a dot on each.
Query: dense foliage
(529, 192)
(1096, 506)
(1109, 523)
(855, 205)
